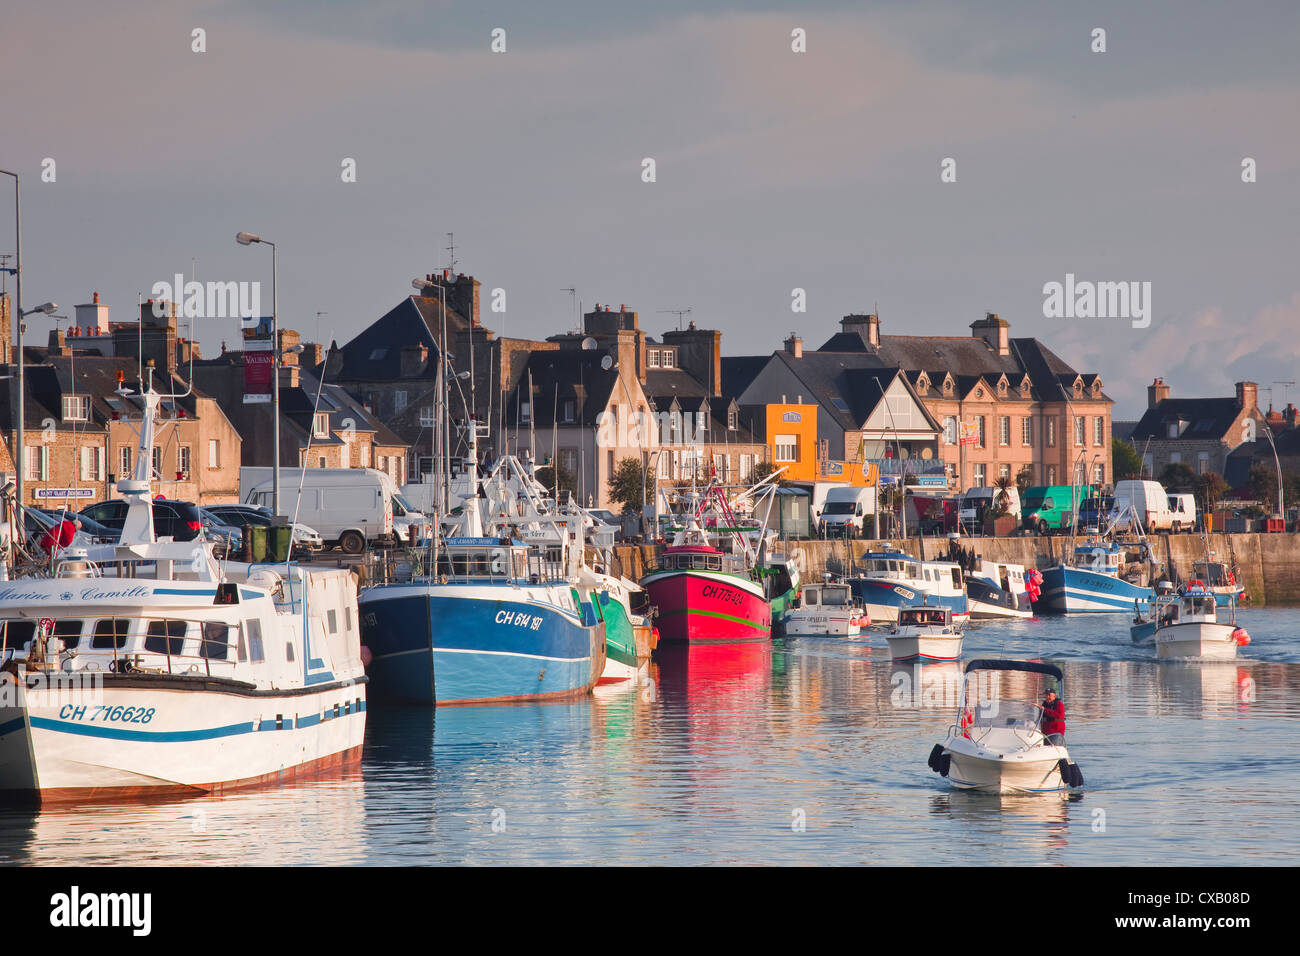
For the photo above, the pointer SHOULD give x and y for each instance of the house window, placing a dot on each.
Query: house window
(322, 462)
(1004, 430)
(124, 461)
(981, 428)
(609, 462)
(156, 463)
(399, 400)
(525, 413)
(214, 453)
(980, 473)
(1099, 431)
(1080, 434)
(1051, 436)
(1173, 429)
(364, 453)
(570, 408)
(183, 461)
(701, 423)
(92, 463)
(1080, 473)
(1004, 471)
(1148, 463)
(746, 467)
(1051, 474)
(321, 425)
(1099, 475)
(652, 358)
(36, 461)
(786, 448)
(1202, 462)
(733, 419)
(665, 464)
(1026, 431)
(76, 408)
(1175, 458)
(668, 358)
(950, 430)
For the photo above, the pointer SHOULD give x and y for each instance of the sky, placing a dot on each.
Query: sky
(774, 170)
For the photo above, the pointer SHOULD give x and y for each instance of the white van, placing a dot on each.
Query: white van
(1182, 509)
(1150, 502)
(348, 506)
(976, 502)
(843, 511)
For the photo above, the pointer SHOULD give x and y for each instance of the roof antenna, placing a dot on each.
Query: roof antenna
(679, 313)
(451, 251)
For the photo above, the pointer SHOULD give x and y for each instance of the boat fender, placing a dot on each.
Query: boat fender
(1241, 637)
(935, 754)
(1076, 775)
(945, 761)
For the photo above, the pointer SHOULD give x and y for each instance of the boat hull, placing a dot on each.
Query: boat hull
(701, 607)
(910, 647)
(884, 598)
(475, 644)
(1201, 640)
(821, 623)
(147, 736)
(1037, 770)
(1073, 590)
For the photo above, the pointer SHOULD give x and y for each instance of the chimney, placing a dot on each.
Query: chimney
(699, 352)
(995, 331)
(414, 358)
(58, 344)
(313, 353)
(867, 326)
(1247, 396)
(794, 345)
(1157, 392)
(92, 318)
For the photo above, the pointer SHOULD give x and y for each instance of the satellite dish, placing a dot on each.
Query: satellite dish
(588, 344)
(606, 363)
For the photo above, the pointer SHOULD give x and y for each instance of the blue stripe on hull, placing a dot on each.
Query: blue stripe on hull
(1068, 590)
(879, 596)
(442, 648)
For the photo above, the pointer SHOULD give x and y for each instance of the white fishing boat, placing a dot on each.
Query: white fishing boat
(827, 610)
(998, 744)
(997, 589)
(889, 579)
(925, 632)
(150, 668)
(1189, 627)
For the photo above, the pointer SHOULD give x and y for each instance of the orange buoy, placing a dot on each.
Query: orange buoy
(1241, 637)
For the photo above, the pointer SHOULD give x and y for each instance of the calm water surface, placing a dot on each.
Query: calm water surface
(808, 751)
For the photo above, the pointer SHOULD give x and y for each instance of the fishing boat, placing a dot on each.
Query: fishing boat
(997, 589)
(925, 633)
(1187, 625)
(827, 610)
(1090, 581)
(997, 744)
(1220, 580)
(151, 668)
(889, 580)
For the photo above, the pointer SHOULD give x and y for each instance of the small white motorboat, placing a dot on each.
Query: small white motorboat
(998, 744)
(827, 610)
(925, 632)
(1190, 628)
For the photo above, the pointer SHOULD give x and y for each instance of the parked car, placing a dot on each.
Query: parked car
(241, 516)
(101, 533)
(229, 538)
(37, 522)
(1182, 507)
(1094, 513)
(178, 520)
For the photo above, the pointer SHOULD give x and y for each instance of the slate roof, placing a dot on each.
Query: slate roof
(96, 376)
(1208, 419)
(375, 354)
(738, 371)
(573, 374)
(856, 380)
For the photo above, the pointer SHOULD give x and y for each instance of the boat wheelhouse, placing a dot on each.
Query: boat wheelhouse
(925, 632)
(826, 610)
(997, 589)
(1090, 582)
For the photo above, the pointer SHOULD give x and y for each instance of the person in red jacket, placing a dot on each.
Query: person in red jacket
(60, 535)
(1053, 718)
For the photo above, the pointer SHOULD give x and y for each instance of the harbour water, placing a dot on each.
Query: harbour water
(810, 751)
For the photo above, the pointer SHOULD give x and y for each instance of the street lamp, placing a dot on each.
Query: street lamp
(1278, 463)
(247, 239)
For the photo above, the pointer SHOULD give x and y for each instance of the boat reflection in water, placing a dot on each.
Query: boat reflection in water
(1034, 820)
(717, 675)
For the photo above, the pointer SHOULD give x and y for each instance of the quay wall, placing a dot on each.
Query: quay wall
(1268, 565)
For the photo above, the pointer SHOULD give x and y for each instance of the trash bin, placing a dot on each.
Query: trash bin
(257, 535)
(281, 541)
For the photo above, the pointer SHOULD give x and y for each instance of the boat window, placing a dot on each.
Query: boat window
(214, 645)
(110, 633)
(479, 565)
(332, 616)
(347, 620)
(288, 651)
(697, 562)
(956, 578)
(69, 632)
(255, 652)
(837, 597)
(714, 562)
(810, 597)
(165, 637)
(18, 633)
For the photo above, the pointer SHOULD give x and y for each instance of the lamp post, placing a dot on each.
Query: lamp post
(18, 308)
(1277, 462)
(247, 239)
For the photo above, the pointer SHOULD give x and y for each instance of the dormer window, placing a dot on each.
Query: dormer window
(733, 419)
(652, 358)
(321, 425)
(570, 409)
(668, 358)
(947, 386)
(76, 408)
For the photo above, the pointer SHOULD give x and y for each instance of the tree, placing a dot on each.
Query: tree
(1210, 489)
(761, 471)
(1178, 477)
(1024, 478)
(1125, 463)
(558, 479)
(1002, 494)
(628, 484)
